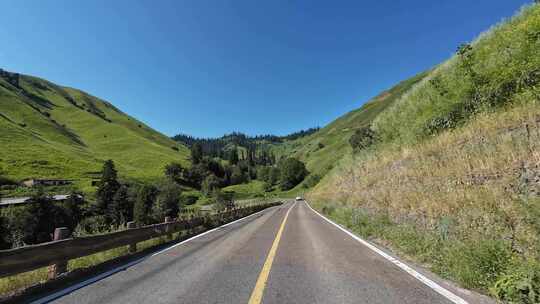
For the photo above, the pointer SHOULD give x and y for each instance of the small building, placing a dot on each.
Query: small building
(33, 182)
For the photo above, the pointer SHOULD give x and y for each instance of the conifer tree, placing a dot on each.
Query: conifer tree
(108, 186)
(143, 205)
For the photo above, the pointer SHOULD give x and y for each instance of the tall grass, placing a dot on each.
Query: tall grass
(502, 63)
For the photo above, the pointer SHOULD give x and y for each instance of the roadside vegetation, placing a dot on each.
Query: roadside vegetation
(449, 174)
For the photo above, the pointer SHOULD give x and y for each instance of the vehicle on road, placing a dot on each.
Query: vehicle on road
(299, 198)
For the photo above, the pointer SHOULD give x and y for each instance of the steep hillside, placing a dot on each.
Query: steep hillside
(323, 149)
(51, 131)
(452, 177)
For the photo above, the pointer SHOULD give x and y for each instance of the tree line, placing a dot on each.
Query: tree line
(216, 147)
(238, 166)
(118, 202)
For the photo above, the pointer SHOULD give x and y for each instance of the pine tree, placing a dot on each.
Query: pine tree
(196, 153)
(72, 209)
(41, 223)
(233, 156)
(174, 171)
(143, 205)
(108, 186)
(167, 201)
(121, 207)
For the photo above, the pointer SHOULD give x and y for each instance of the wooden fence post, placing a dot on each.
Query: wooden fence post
(60, 266)
(168, 219)
(132, 248)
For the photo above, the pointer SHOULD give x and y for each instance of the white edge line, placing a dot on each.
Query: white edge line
(101, 276)
(438, 288)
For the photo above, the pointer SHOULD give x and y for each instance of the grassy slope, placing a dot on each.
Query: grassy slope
(248, 190)
(463, 200)
(335, 136)
(81, 132)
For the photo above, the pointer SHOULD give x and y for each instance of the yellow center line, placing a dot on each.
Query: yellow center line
(257, 294)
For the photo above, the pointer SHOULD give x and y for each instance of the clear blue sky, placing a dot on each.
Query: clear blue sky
(210, 67)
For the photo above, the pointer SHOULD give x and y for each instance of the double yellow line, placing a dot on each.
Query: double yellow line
(258, 291)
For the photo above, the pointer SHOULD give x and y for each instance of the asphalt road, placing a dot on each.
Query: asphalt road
(313, 262)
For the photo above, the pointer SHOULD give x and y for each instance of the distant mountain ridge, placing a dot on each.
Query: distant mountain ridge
(211, 146)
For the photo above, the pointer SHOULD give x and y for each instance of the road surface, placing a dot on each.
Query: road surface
(285, 254)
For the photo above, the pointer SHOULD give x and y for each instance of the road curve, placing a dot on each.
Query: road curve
(314, 262)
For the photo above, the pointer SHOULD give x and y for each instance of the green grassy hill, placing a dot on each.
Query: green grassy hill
(323, 149)
(50, 131)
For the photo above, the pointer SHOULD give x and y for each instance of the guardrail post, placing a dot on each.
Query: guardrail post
(60, 266)
(132, 248)
(168, 219)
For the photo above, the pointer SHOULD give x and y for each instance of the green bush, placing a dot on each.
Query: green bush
(92, 225)
(312, 180)
(328, 210)
(520, 285)
(167, 201)
(210, 183)
(188, 199)
(362, 138)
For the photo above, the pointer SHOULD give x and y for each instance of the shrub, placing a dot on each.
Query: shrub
(328, 210)
(267, 187)
(167, 201)
(223, 200)
(174, 171)
(520, 285)
(44, 217)
(188, 199)
(210, 183)
(15, 218)
(237, 176)
(120, 210)
(92, 225)
(142, 208)
(362, 138)
(312, 180)
(263, 172)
